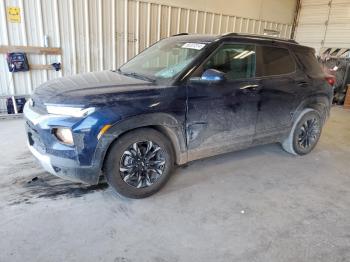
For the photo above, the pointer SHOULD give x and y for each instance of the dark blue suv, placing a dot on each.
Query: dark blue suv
(184, 98)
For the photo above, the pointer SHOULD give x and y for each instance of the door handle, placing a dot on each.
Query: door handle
(250, 89)
(302, 84)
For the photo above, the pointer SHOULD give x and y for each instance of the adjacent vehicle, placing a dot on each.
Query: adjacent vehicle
(184, 98)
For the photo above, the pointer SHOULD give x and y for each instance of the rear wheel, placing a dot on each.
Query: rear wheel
(305, 133)
(139, 163)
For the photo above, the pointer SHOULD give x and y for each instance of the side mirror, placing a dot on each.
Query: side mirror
(210, 76)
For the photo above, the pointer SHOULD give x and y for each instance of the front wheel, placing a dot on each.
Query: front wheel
(305, 133)
(139, 163)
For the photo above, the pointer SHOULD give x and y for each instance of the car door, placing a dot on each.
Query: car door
(276, 78)
(221, 116)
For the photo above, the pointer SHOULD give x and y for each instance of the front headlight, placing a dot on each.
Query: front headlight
(64, 135)
(70, 111)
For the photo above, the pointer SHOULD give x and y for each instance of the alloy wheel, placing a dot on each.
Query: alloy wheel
(142, 164)
(309, 133)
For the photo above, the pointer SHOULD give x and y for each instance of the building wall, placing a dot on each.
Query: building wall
(281, 11)
(324, 24)
(98, 35)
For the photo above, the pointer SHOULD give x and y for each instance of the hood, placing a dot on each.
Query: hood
(83, 88)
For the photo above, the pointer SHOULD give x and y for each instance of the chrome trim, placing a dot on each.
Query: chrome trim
(33, 116)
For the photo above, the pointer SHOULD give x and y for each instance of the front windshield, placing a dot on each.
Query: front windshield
(164, 60)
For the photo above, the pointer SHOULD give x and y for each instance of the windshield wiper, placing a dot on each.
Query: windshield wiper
(136, 75)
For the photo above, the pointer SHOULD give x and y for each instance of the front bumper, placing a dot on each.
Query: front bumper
(44, 160)
(55, 158)
(66, 168)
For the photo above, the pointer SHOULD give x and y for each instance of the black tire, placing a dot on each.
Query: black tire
(121, 149)
(296, 143)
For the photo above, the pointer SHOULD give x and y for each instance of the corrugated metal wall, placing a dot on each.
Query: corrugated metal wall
(97, 35)
(324, 23)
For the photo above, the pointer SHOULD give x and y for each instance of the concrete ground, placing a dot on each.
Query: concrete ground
(260, 204)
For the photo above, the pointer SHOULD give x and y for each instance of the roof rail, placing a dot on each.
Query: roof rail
(181, 34)
(261, 37)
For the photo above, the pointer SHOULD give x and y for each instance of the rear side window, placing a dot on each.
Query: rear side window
(273, 61)
(309, 63)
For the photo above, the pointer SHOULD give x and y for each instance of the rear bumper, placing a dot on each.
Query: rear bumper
(67, 168)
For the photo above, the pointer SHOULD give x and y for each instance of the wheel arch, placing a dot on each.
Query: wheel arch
(164, 123)
(320, 103)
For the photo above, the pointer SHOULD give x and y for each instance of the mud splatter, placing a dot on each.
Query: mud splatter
(48, 186)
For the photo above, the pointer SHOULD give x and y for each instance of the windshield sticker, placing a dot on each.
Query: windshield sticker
(193, 46)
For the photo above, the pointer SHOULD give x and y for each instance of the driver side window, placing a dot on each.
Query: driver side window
(237, 61)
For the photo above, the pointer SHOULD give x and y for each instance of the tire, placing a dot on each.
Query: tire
(296, 142)
(129, 168)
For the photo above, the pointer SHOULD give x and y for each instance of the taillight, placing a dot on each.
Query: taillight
(330, 80)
